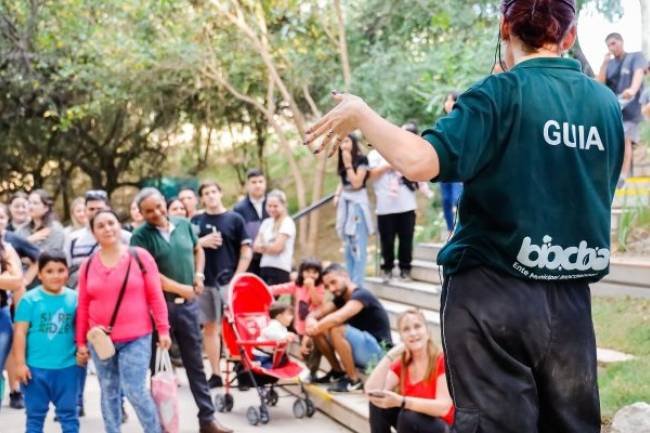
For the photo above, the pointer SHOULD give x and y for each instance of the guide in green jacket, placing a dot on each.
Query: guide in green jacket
(539, 149)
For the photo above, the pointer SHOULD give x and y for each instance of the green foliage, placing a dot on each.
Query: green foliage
(631, 220)
(105, 87)
(623, 325)
(409, 55)
(434, 225)
(610, 8)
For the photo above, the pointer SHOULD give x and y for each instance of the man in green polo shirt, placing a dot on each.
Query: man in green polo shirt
(180, 259)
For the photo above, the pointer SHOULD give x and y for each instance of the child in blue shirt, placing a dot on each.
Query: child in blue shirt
(44, 347)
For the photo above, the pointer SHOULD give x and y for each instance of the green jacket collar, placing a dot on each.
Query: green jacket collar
(550, 62)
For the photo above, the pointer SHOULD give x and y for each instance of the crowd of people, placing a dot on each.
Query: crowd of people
(169, 267)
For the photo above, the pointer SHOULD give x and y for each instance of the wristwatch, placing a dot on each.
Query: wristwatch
(200, 275)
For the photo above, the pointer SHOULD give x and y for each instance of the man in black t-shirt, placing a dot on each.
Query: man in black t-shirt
(353, 326)
(227, 246)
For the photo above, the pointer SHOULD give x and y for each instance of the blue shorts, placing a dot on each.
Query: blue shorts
(365, 348)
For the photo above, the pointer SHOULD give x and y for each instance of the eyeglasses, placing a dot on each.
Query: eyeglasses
(96, 194)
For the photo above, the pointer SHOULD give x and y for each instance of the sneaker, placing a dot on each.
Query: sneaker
(405, 275)
(332, 376)
(215, 381)
(386, 277)
(346, 385)
(16, 400)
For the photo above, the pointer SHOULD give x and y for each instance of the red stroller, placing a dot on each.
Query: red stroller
(245, 315)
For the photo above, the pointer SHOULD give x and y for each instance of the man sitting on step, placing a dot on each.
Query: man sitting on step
(354, 326)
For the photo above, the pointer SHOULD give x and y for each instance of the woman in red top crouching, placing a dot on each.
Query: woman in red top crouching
(408, 388)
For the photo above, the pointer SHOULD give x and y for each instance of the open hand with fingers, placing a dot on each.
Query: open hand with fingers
(337, 124)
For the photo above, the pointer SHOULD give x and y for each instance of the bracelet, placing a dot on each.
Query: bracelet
(348, 167)
(403, 405)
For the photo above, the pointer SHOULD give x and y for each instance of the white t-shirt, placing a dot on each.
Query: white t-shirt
(392, 195)
(258, 205)
(274, 331)
(268, 236)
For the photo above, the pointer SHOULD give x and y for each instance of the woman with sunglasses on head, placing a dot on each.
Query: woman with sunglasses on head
(539, 150)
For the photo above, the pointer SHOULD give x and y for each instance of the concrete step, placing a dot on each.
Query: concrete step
(427, 252)
(349, 409)
(636, 192)
(426, 271)
(616, 219)
(627, 274)
(416, 293)
(394, 309)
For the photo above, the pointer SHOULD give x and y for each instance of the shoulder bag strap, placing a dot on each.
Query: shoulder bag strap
(120, 296)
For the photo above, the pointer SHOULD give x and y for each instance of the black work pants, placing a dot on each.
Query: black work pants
(520, 354)
(184, 323)
(404, 421)
(402, 226)
(273, 276)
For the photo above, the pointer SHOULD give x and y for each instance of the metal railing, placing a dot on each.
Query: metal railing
(306, 211)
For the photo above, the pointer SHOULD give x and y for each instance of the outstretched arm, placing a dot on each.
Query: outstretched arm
(406, 152)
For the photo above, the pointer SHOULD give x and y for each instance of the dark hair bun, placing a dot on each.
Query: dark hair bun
(539, 22)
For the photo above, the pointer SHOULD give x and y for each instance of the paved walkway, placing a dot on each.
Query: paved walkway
(282, 420)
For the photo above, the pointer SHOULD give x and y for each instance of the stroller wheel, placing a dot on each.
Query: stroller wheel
(264, 415)
(272, 398)
(253, 415)
(220, 402)
(230, 402)
(311, 409)
(299, 409)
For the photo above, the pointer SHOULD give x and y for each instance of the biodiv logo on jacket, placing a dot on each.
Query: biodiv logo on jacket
(534, 258)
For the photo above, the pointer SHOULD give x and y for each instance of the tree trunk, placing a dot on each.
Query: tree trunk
(645, 27)
(300, 184)
(580, 56)
(343, 46)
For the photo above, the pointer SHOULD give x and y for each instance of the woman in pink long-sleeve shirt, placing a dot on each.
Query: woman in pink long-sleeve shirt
(100, 280)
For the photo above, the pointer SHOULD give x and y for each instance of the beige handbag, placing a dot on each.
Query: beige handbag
(99, 336)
